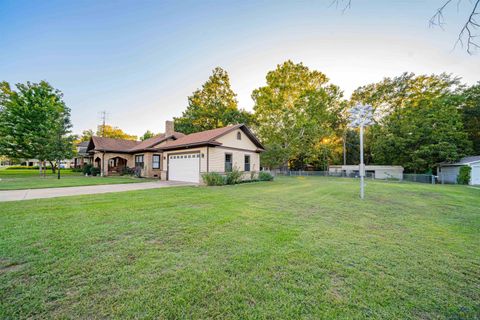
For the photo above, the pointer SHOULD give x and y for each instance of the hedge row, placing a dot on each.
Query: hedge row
(233, 177)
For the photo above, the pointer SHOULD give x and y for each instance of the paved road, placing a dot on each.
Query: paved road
(15, 195)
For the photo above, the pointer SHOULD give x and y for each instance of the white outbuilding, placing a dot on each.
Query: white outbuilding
(371, 171)
(448, 172)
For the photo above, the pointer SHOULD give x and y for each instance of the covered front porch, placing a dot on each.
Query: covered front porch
(113, 165)
(116, 165)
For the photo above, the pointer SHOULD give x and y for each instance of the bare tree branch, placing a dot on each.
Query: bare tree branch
(469, 30)
(346, 4)
(438, 19)
(468, 33)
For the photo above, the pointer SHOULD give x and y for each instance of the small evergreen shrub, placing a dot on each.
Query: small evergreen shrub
(265, 176)
(126, 171)
(137, 171)
(213, 179)
(87, 169)
(77, 169)
(234, 176)
(464, 175)
(94, 171)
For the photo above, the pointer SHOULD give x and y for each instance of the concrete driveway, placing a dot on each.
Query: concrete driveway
(15, 195)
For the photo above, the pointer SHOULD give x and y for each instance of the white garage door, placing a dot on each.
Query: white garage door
(476, 175)
(184, 167)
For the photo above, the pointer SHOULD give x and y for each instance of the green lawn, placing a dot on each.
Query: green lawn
(293, 248)
(30, 179)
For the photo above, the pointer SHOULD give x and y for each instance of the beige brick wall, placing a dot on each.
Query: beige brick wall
(148, 170)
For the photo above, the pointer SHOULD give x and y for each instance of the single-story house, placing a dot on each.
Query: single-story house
(64, 164)
(30, 162)
(82, 156)
(374, 171)
(176, 156)
(448, 172)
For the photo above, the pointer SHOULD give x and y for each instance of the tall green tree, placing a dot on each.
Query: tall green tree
(213, 106)
(418, 122)
(61, 144)
(106, 131)
(470, 109)
(109, 131)
(85, 136)
(296, 114)
(147, 135)
(34, 122)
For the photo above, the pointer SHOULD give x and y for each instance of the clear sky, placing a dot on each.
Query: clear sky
(139, 60)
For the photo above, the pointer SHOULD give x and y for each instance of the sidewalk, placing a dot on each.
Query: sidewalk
(16, 195)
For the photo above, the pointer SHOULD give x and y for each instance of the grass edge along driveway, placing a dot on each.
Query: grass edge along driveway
(30, 179)
(294, 248)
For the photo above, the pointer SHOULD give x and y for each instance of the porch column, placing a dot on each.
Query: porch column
(104, 171)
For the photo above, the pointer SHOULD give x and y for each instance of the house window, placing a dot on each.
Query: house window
(156, 161)
(228, 162)
(239, 136)
(247, 163)
(139, 161)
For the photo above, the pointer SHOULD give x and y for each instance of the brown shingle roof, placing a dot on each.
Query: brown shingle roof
(209, 137)
(149, 143)
(109, 144)
(182, 141)
(199, 137)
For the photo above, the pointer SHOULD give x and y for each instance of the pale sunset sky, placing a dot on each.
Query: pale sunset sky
(139, 60)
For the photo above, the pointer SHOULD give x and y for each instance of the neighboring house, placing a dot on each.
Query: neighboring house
(64, 164)
(175, 156)
(30, 162)
(5, 162)
(374, 171)
(448, 172)
(82, 157)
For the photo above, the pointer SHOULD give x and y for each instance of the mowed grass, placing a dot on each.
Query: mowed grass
(295, 248)
(31, 179)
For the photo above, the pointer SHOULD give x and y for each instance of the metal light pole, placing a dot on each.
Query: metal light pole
(362, 165)
(361, 116)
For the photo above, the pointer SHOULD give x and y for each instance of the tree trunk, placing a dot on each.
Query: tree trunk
(58, 171)
(52, 166)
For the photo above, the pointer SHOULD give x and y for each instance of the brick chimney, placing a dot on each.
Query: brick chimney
(169, 128)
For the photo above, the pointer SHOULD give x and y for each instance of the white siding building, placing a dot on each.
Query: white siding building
(448, 172)
(377, 172)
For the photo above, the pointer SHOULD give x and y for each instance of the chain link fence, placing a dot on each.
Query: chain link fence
(409, 177)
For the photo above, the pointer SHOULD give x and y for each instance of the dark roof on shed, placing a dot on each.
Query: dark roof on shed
(463, 161)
